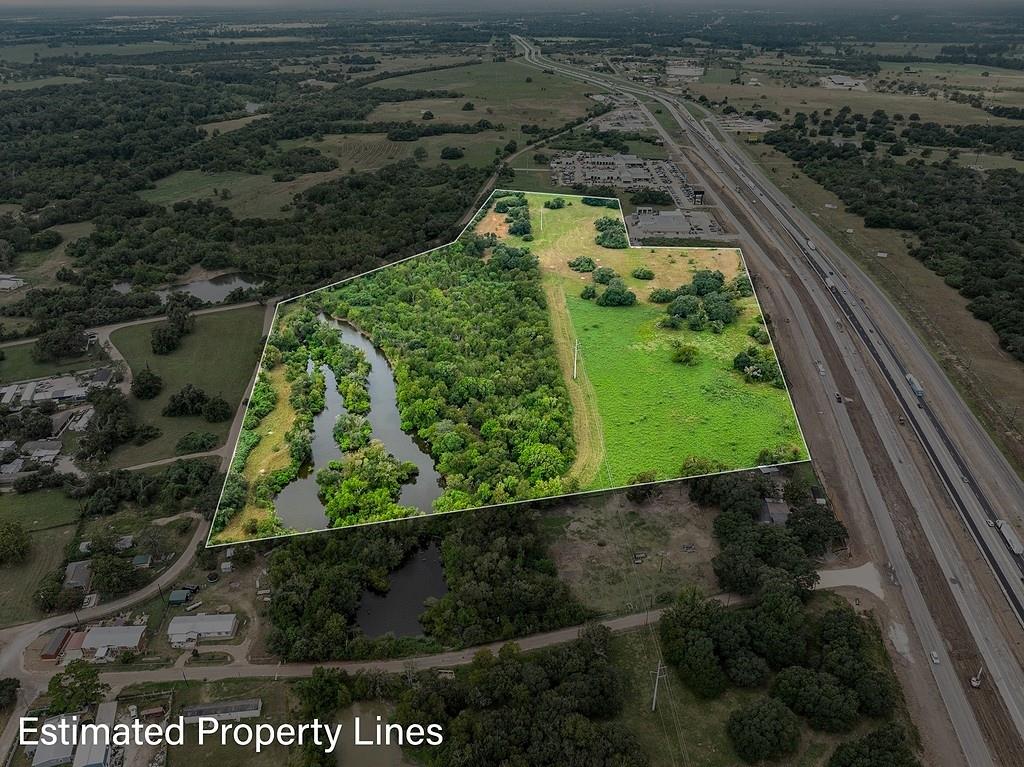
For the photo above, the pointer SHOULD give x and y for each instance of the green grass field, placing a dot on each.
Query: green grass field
(18, 583)
(654, 413)
(18, 365)
(41, 509)
(24, 54)
(219, 356)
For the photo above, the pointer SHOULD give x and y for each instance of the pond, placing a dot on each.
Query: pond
(211, 290)
(397, 611)
(299, 505)
(387, 423)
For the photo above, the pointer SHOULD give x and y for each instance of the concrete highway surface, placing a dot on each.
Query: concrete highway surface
(930, 477)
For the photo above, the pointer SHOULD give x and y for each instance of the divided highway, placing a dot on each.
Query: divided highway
(960, 457)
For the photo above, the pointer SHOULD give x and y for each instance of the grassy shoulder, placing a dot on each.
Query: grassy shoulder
(218, 356)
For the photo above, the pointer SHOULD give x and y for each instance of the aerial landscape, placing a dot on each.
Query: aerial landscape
(707, 321)
(514, 382)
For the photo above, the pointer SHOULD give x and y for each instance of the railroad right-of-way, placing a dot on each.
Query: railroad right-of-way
(912, 454)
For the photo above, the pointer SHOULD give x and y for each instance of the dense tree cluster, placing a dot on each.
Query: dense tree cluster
(517, 213)
(822, 665)
(707, 302)
(500, 585)
(965, 222)
(112, 424)
(146, 384)
(611, 233)
(546, 709)
(14, 542)
(477, 382)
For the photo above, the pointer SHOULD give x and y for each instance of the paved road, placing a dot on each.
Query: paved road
(731, 172)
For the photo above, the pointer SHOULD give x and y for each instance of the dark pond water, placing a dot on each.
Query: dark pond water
(420, 578)
(299, 505)
(387, 423)
(213, 290)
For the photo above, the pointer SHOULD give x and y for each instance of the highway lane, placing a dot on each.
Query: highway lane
(967, 595)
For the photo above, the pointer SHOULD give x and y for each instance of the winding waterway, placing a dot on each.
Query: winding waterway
(299, 505)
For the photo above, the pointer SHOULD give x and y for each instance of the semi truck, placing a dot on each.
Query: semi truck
(915, 386)
(1010, 536)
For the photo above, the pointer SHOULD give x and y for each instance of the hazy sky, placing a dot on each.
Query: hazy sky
(184, 6)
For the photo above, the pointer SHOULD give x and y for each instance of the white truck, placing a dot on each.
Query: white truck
(1010, 536)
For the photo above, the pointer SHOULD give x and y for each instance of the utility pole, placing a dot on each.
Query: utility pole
(659, 674)
(575, 355)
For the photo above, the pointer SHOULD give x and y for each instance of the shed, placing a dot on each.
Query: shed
(142, 561)
(179, 597)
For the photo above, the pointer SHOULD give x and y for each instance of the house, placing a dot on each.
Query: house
(142, 561)
(179, 597)
(187, 630)
(103, 642)
(97, 754)
(55, 645)
(229, 710)
(78, 575)
(773, 512)
(124, 543)
(57, 754)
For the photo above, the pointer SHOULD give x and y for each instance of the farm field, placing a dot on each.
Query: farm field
(218, 356)
(654, 413)
(370, 151)
(25, 53)
(39, 82)
(500, 93)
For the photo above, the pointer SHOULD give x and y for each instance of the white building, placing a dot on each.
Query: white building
(91, 754)
(187, 630)
(57, 754)
(104, 642)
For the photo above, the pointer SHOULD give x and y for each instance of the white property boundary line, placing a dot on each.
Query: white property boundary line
(580, 493)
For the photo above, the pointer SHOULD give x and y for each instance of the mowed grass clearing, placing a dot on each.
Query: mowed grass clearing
(219, 356)
(40, 510)
(19, 582)
(657, 413)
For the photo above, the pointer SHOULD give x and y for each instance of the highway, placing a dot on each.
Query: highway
(862, 325)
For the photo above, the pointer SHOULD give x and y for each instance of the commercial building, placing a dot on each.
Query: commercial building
(186, 630)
